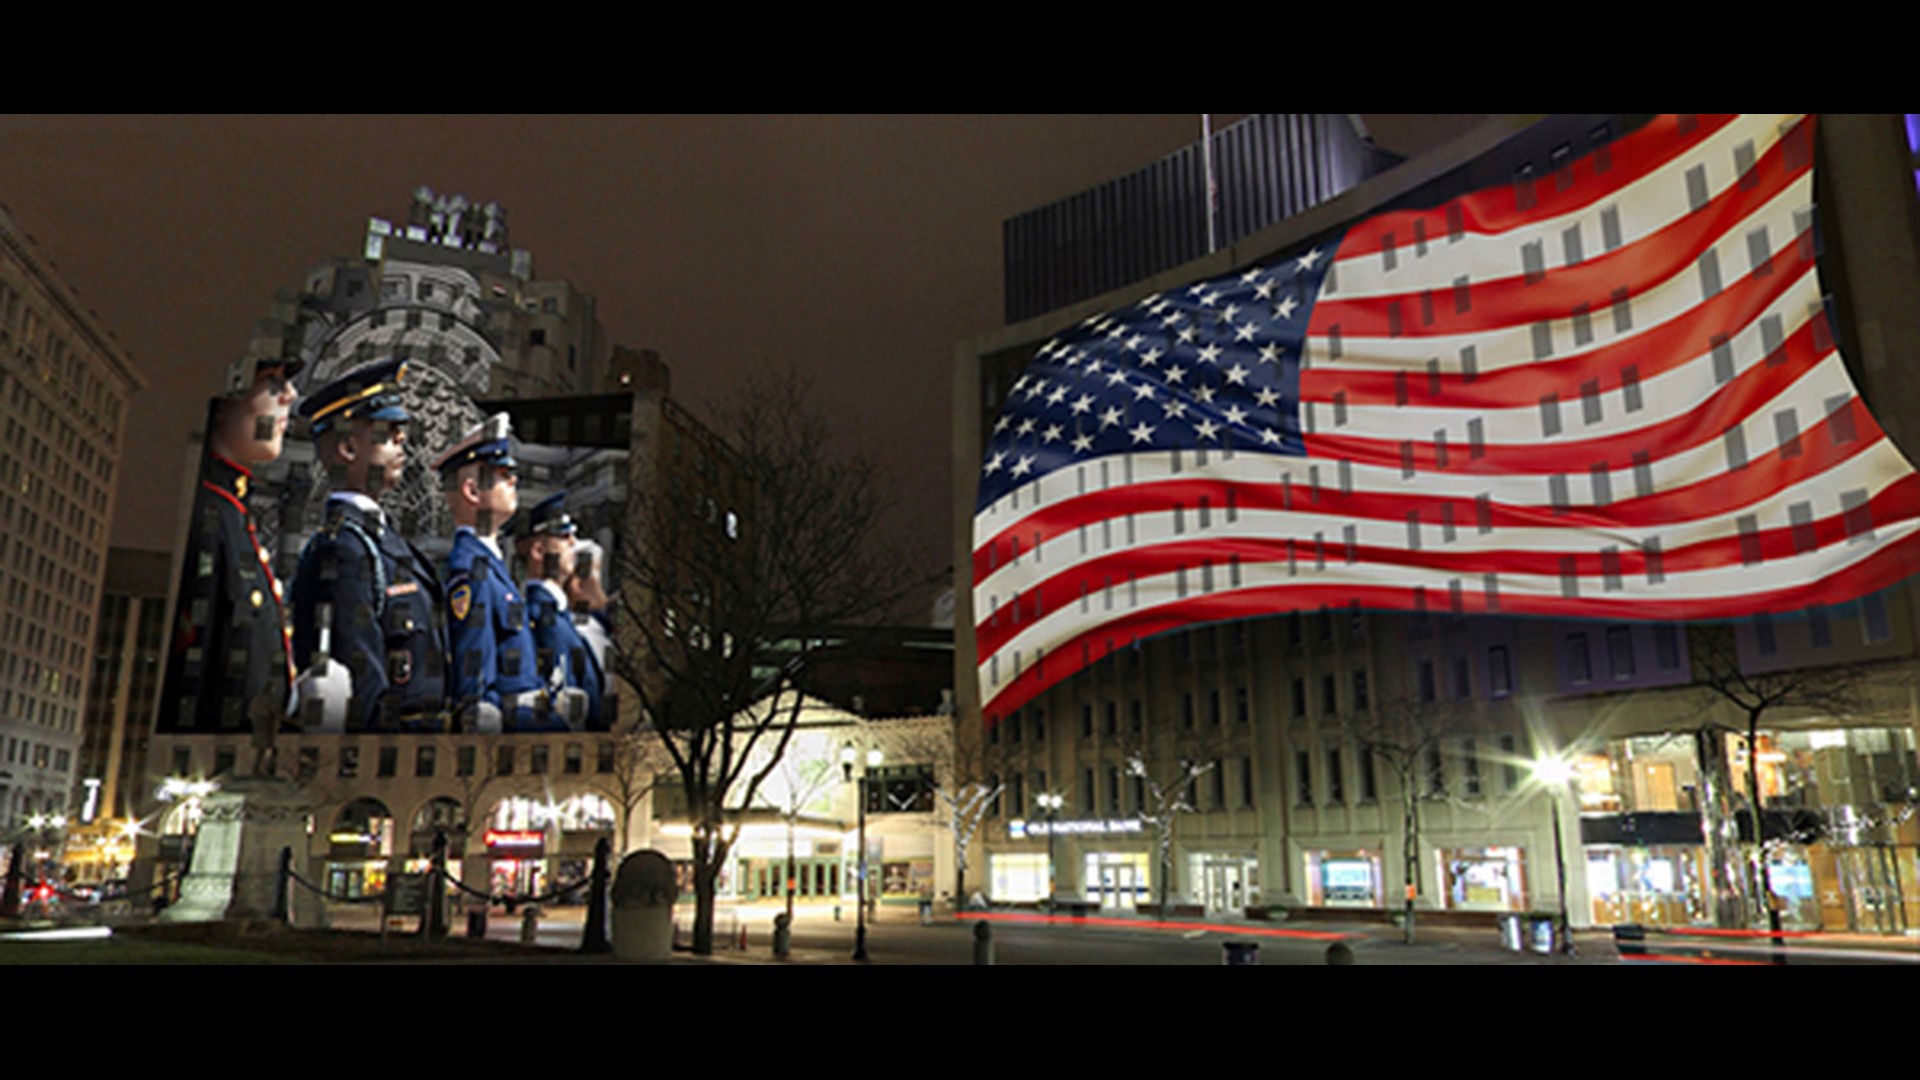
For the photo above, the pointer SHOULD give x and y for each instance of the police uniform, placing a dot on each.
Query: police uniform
(229, 663)
(565, 659)
(492, 657)
(376, 596)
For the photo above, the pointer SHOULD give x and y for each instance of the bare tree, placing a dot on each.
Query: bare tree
(1168, 795)
(1835, 690)
(742, 555)
(638, 759)
(1407, 735)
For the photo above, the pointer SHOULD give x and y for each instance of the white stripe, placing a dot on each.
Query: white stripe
(1646, 206)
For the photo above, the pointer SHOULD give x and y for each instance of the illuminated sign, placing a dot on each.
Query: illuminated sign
(1017, 829)
(517, 841)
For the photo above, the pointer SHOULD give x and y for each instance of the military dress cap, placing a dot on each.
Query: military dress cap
(549, 517)
(368, 392)
(491, 442)
(245, 372)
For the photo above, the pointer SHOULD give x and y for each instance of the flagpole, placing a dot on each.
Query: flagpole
(1206, 156)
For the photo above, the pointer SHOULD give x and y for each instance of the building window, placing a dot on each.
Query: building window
(389, 760)
(538, 765)
(503, 761)
(1462, 684)
(1579, 665)
(423, 762)
(1213, 708)
(1509, 763)
(1436, 772)
(1360, 699)
(309, 764)
(993, 785)
(1089, 788)
(1039, 725)
(1242, 705)
(1246, 783)
(1499, 672)
(1086, 721)
(1186, 710)
(1470, 766)
(1302, 778)
(1113, 718)
(1329, 696)
(575, 758)
(1368, 792)
(1336, 788)
(1620, 652)
(1427, 689)
(1013, 726)
(605, 757)
(349, 761)
(222, 760)
(463, 761)
(1113, 791)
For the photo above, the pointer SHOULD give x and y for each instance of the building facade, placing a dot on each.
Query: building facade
(64, 385)
(1331, 760)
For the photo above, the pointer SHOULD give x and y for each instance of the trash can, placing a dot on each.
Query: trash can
(1513, 935)
(926, 911)
(1543, 933)
(1240, 953)
(476, 922)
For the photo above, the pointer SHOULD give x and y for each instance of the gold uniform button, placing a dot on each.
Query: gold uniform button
(257, 598)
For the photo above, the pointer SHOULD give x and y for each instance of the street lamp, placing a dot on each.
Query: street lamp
(1051, 802)
(847, 757)
(1553, 774)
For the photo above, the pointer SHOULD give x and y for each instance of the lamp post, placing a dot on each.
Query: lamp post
(1051, 802)
(873, 758)
(1553, 773)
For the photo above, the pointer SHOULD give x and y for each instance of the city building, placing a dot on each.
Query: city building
(1304, 745)
(64, 386)
(129, 649)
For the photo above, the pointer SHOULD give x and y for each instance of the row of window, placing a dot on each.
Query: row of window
(505, 759)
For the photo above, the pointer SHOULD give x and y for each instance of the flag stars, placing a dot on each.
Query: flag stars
(998, 459)
(1116, 377)
(1206, 429)
(1264, 290)
(1141, 432)
(1236, 415)
(1150, 357)
(1026, 427)
(1310, 260)
(1143, 392)
(1111, 417)
(1083, 443)
(1209, 353)
(1171, 319)
(1058, 395)
(1237, 375)
(1284, 310)
(1203, 393)
(1082, 404)
(1267, 396)
(1000, 425)
(1269, 437)
(1187, 334)
(1133, 343)
(1227, 313)
(1023, 466)
(1176, 373)
(1174, 408)
(1244, 332)
(1052, 434)
(1270, 353)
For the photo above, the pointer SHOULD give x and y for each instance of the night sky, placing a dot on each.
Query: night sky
(861, 249)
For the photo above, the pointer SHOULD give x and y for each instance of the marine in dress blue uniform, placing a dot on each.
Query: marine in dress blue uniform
(362, 590)
(493, 658)
(565, 659)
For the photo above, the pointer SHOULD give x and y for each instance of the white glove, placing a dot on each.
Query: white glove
(321, 694)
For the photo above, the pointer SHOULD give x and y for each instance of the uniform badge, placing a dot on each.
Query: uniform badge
(399, 666)
(240, 486)
(257, 598)
(460, 600)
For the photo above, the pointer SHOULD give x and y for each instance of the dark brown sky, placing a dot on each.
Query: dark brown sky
(861, 248)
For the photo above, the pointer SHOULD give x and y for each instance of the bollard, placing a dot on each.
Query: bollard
(1240, 953)
(1339, 954)
(529, 924)
(982, 943)
(782, 935)
(926, 911)
(743, 938)
(477, 922)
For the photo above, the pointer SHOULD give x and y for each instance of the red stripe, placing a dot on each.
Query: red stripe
(1663, 347)
(1514, 301)
(1716, 495)
(1726, 408)
(1890, 564)
(1496, 209)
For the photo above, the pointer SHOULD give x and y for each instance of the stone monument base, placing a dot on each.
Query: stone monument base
(235, 872)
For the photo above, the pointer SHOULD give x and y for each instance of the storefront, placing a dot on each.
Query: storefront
(1222, 881)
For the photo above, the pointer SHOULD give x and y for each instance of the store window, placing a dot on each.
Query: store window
(1343, 879)
(1484, 878)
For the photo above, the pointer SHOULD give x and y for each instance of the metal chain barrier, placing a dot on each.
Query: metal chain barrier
(335, 897)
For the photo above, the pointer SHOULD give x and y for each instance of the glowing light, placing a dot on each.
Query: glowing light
(1554, 771)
